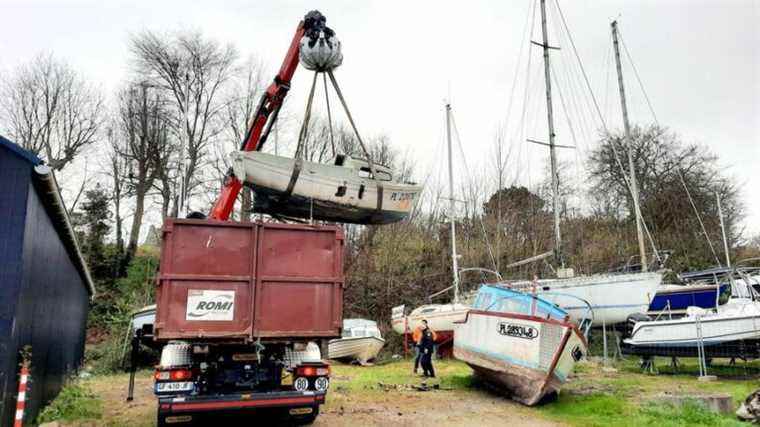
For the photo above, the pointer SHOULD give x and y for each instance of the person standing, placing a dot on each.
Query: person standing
(427, 343)
(416, 339)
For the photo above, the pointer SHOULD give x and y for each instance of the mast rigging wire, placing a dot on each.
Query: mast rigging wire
(604, 125)
(678, 169)
(469, 176)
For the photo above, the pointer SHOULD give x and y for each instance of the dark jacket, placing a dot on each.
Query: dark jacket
(428, 339)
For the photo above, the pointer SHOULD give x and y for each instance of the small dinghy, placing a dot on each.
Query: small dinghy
(361, 342)
(519, 343)
(343, 191)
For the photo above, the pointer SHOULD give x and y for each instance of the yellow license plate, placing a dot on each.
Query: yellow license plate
(301, 411)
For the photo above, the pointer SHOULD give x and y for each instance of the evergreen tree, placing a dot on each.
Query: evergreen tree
(94, 220)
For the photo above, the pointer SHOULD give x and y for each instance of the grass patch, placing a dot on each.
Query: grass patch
(629, 397)
(689, 414)
(75, 402)
(590, 410)
(615, 410)
(450, 374)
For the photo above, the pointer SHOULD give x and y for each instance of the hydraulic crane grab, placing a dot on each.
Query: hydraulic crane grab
(311, 31)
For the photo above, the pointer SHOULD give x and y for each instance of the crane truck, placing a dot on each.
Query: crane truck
(240, 306)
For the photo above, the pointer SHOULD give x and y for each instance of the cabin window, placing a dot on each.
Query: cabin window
(341, 191)
(361, 191)
(427, 310)
(365, 172)
(346, 333)
(340, 159)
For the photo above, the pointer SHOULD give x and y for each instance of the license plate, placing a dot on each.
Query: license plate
(301, 411)
(174, 386)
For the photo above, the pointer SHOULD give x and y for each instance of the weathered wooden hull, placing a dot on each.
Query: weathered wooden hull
(526, 357)
(520, 384)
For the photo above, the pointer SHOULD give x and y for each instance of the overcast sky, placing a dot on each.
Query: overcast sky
(698, 60)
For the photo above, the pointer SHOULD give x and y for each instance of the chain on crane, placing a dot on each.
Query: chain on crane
(320, 51)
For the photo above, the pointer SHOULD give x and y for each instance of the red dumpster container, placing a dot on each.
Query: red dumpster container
(243, 281)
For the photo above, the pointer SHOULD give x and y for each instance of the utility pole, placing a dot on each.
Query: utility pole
(454, 261)
(552, 148)
(629, 144)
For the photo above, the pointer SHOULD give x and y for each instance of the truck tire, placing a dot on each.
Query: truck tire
(304, 420)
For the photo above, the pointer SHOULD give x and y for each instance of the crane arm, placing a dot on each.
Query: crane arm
(266, 112)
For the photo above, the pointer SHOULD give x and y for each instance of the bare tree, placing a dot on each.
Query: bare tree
(166, 177)
(664, 165)
(241, 99)
(192, 70)
(115, 168)
(501, 153)
(51, 110)
(145, 129)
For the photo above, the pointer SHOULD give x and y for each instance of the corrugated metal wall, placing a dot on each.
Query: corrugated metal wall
(14, 184)
(50, 304)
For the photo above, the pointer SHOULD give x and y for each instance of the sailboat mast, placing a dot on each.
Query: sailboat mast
(629, 144)
(454, 261)
(552, 148)
(723, 230)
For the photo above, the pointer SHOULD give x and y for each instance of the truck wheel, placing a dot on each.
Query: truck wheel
(303, 420)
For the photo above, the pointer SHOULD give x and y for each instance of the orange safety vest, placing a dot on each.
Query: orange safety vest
(417, 334)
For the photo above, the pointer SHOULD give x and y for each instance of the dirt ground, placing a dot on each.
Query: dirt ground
(432, 408)
(373, 406)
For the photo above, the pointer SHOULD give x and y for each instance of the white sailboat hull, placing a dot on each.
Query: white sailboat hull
(361, 349)
(612, 297)
(527, 356)
(322, 191)
(440, 317)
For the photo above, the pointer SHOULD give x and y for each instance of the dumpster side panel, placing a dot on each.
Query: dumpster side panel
(283, 280)
(300, 282)
(206, 280)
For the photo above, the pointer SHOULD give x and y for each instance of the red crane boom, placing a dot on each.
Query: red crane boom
(267, 111)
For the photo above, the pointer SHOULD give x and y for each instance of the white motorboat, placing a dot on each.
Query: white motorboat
(361, 341)
(143, 317)
(343, 191)
(722, 332)
(729, 330)
(518, 342)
